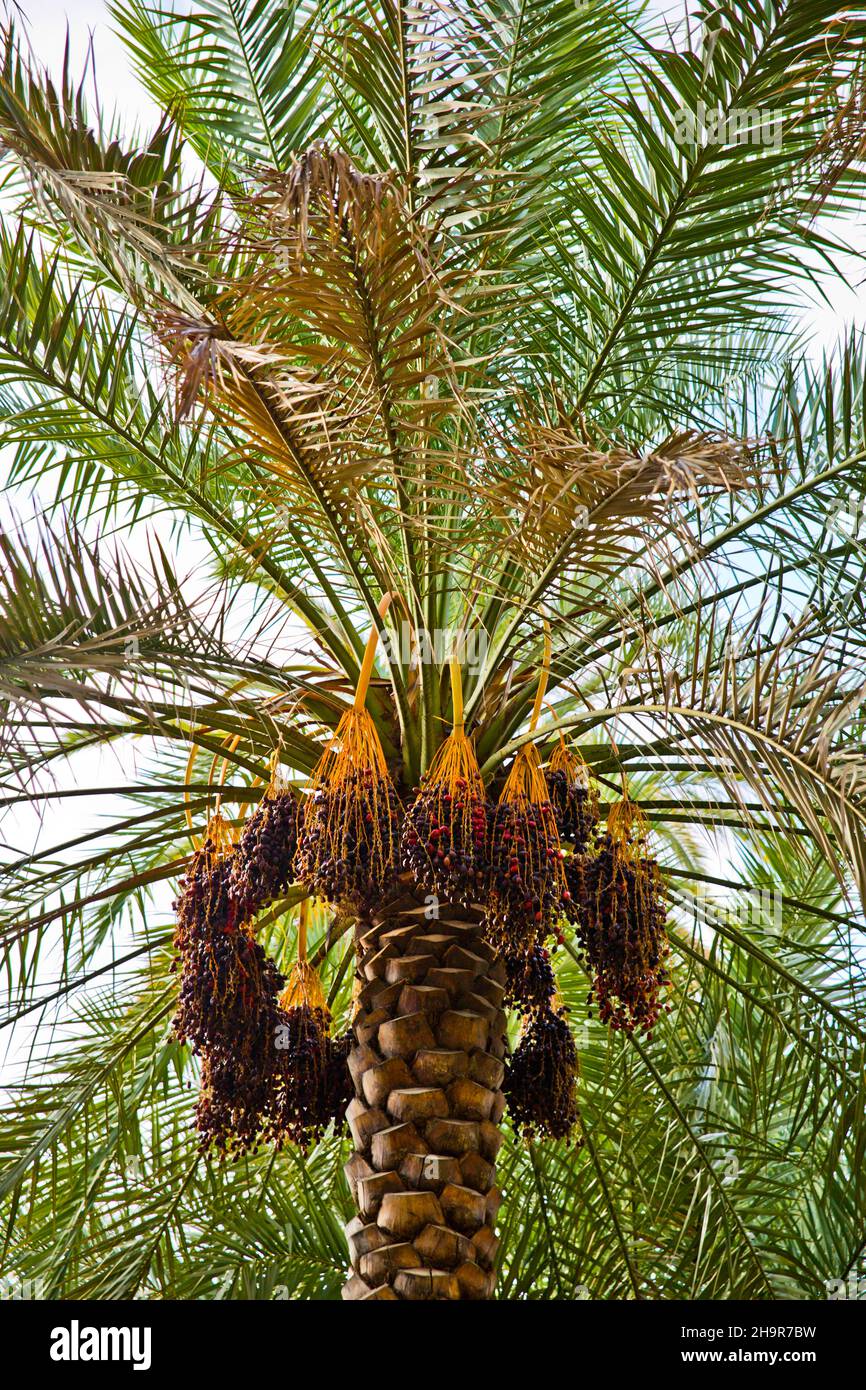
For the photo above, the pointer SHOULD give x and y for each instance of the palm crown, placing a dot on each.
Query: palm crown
(439, 305)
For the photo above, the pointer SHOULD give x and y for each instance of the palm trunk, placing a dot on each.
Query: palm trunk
(427, 1068)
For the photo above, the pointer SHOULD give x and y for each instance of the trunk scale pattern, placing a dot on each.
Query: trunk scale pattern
(427, 1068)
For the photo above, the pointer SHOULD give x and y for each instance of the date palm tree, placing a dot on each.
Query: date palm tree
(442, 323)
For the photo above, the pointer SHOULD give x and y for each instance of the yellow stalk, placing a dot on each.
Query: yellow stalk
(190, 764)
(542, 680)
(456, 692)
(232, 742)
(370, 656)
(303, 915)
(304, 986)
(626, 821)
(455, 759)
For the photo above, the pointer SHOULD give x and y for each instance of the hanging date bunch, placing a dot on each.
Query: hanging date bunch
(526, 875)
(227, 983)
(621, 924)
(263, 867)
(235, 1091)
(339, 1089)
(574, 897)
(206, 902)
(227, 1003)
(311, 1084)
(573, 797)
(445, 843)
(348, 849)
(529, 978)
(541, 1079)
(526, 860)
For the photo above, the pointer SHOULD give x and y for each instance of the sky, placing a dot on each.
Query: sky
(47, 24)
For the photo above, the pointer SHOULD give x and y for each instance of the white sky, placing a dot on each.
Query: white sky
(47, 23)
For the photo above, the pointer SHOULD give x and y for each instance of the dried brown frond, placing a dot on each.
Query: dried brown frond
(559, 487)
(842, 143)
(328, 355)
(323, 181)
